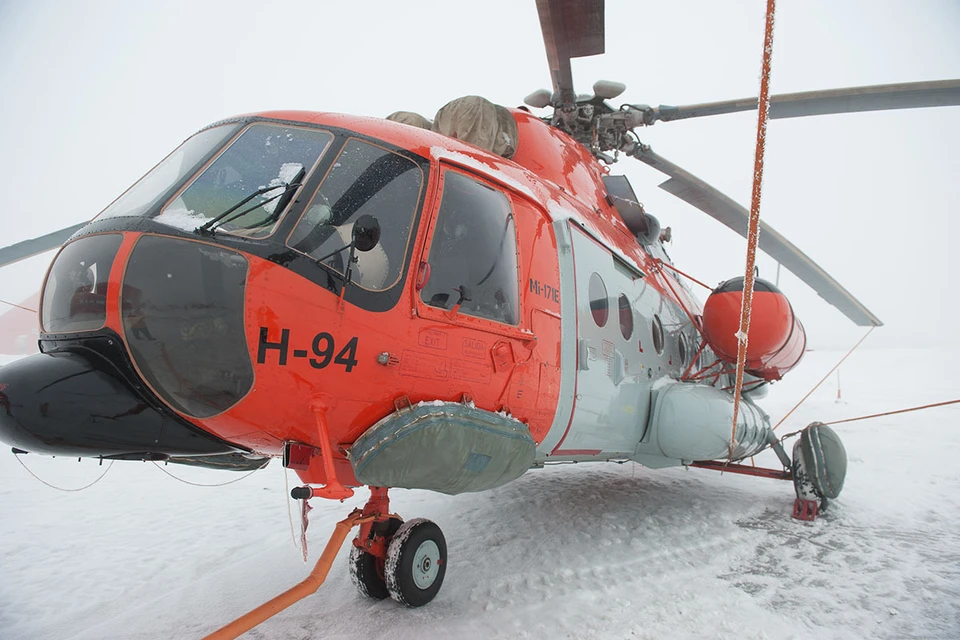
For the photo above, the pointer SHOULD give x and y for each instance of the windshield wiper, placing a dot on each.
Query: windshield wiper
(283, 202)
(208, 227)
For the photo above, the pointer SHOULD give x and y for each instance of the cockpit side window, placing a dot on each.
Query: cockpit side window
(364, 180)
(473, 254)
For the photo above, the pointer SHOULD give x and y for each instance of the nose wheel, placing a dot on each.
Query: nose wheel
(366, 568)
(416, 562)
(393, 558)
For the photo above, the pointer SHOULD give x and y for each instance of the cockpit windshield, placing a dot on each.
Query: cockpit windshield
(256, 175)
(151, 189)
(364, 180)
(244, 190)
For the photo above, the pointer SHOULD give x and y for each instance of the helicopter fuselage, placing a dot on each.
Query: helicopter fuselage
(512, 287)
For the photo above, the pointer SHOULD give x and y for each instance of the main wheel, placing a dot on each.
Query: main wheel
(416, 563)
(367, 570)
(819, 464)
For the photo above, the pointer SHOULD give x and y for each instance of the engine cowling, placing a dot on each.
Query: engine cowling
(776, 339)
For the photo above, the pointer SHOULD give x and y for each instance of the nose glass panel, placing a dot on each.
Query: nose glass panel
(182, 308)
(75, 293)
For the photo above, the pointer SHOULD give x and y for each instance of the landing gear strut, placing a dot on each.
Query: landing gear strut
(369, 551)
(817, 470)
(366, 569)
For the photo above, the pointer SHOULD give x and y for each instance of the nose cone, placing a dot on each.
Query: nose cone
(72, 403)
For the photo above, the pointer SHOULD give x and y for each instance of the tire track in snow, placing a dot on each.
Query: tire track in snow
(676, 562)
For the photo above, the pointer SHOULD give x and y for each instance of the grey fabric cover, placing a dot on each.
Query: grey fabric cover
(410, 118)
(447, 447)
(480, 122)
(825, 458)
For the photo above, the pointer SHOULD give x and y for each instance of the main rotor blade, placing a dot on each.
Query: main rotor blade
(911, 95)
(571, 29)
(29, 248)
(721, 207)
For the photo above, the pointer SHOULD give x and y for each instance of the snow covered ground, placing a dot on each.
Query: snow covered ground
(580, 551)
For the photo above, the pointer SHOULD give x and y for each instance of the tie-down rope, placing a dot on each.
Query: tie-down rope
(753, 232)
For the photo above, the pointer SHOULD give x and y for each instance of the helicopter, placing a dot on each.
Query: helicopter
(250, 265)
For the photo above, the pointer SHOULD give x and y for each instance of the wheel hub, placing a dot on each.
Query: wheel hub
(426, 564)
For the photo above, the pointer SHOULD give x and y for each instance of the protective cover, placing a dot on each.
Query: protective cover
(479, 122)
(443, 446)
(410, 118)
(825, 459)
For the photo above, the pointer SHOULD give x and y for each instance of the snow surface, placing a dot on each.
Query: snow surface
(571, 551)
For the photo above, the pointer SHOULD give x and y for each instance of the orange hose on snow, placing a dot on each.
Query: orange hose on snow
(308, 586)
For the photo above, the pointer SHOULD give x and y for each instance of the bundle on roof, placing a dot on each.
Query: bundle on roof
(479, 122)
(410, 118)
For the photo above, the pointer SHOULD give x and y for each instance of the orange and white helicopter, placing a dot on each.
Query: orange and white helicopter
(404, 303)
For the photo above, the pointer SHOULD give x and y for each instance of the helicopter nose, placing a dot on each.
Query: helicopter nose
(70, 403)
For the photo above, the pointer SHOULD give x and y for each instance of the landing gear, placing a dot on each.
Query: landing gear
(416, 563)
(819, 469)
(809, 502)
(405, 561)
(366, 569)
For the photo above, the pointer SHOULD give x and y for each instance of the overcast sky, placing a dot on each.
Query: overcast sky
(94, 93)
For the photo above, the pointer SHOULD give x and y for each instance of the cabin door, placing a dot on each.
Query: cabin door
(612, 397)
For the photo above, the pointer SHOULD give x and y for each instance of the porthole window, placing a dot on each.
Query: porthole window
(658, 335)
(626, 317)
(599, 306)
(682, 345)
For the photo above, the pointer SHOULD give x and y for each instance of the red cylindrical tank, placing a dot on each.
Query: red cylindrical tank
(776, 340)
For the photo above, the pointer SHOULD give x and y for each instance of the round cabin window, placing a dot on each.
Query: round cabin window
(599, 306)
(657, 335)
(682, 345)
(626, 317)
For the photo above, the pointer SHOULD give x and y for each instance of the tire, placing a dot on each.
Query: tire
(367, 571)
(416, 563)
(803, 485)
